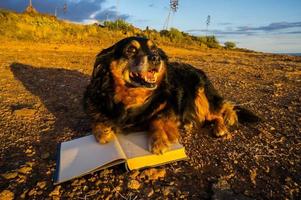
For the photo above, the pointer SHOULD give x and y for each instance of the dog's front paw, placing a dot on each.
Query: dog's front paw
(103, 133)
(159, 145)
(220, 131)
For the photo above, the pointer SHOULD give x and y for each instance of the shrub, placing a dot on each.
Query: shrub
(230, 45)
(119, 24)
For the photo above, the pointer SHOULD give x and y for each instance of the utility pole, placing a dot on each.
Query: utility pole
(58, 8)
(30, 8)
(173, 7)
(207, 23)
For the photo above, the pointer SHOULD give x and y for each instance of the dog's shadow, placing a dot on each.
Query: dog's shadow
(60, 90)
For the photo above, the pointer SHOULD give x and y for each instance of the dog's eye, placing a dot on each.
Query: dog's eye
(131, 50)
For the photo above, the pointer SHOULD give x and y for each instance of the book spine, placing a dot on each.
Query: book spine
(57, 168)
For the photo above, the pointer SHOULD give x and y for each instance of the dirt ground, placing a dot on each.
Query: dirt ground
(41, 86)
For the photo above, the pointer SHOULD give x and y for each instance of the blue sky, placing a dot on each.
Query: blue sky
(266, 25)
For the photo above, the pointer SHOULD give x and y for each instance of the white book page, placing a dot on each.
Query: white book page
(138, 144)
(84, 155)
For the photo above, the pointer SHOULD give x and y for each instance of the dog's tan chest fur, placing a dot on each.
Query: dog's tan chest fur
(131, 97)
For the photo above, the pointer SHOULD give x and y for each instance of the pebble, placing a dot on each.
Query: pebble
(10, 175)
(32, 192)
(153, 174)
(85, 188)
(134, 174)
(56, 191)
(23, 195)
(25, 169)
(6, 195)
(253, 175)
(133, 184)
(166, 191)
(149, 192)
(41, 184)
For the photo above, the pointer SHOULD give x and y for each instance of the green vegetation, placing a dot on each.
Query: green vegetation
(230, 45)
(41, 27)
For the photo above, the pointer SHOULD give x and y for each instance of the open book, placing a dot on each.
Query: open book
(85, 155)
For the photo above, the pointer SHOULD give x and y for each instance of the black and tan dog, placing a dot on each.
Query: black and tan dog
(133, 85)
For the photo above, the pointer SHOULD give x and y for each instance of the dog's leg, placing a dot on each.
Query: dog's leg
(101, 125)
(223, 116)
(220, 128)
(229, 114)
(164, 132)
(102, 132)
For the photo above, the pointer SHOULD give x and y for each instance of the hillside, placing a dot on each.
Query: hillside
(42, 79)
(46, 28)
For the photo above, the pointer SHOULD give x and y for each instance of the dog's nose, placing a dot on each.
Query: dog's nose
(155, 59)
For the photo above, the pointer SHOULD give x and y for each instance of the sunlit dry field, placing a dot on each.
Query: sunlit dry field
(41, 87)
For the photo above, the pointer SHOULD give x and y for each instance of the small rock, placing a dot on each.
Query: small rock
(98, 182)
(153, 174)
(149, 192)
(134, 174)
(28, 151)
(25, 169)
(92, 179)
(253, 175)
(23, 195)
(166, 191)
(7, 195)
(105, 172)
(117, 188)
(56, 191)
(41, 184)
(30, 164)
(21, 178)
(10, 175)
(85, 188)
(106, 189)
(32, 192)
(133, 184)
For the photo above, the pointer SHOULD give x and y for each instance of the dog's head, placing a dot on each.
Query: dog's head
(134, 62)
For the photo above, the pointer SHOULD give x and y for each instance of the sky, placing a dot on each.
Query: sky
(262, 25)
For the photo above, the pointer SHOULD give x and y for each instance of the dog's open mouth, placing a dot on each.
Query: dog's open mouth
(146, 79)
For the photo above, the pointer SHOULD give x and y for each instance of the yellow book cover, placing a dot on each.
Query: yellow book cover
(84, 155)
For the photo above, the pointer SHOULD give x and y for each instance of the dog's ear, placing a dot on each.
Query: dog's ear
(163, 55)
(102, 59)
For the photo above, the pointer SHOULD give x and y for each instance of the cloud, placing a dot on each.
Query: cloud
(224, 23)
(221, 32)
(77, 10)
(271, 27)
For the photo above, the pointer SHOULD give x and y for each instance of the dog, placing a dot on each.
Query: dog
(134, 85)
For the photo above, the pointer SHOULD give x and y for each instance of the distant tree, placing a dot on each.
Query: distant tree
(230, 45)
